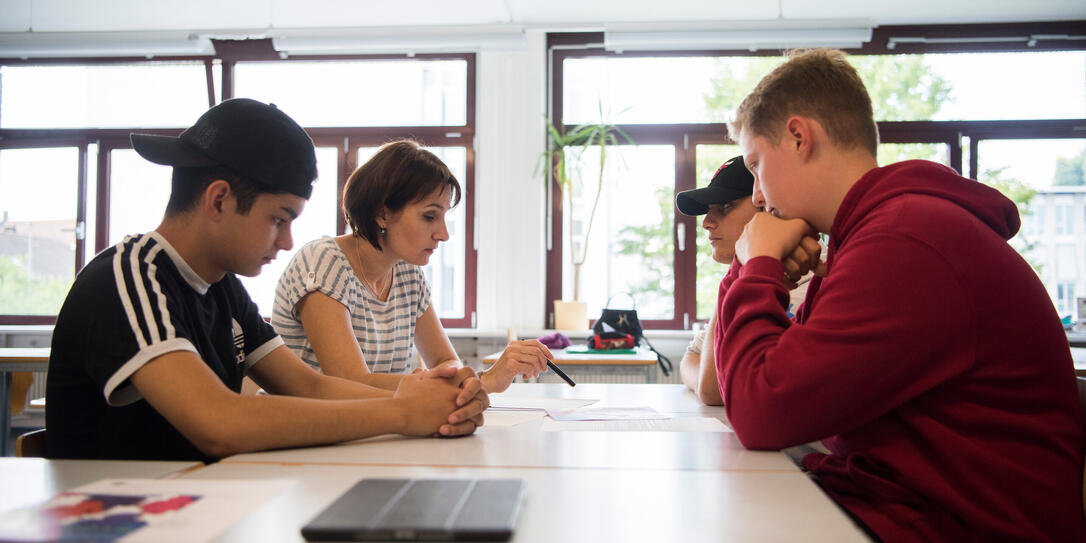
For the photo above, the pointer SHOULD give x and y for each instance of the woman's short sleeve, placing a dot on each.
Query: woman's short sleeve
(318, 266)
(424, 290)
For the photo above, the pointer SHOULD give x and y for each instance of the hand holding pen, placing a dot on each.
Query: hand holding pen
(531, 352)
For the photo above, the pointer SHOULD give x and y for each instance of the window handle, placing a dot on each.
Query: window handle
(681, 236)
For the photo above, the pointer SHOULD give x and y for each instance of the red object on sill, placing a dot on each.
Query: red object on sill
(612, 340)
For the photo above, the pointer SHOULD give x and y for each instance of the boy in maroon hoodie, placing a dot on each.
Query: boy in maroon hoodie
(927, 356)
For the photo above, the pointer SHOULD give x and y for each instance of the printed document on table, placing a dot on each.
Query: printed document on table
(138, 510)
(681, 424)
(513, 417)
(504, 402)
(607, 413)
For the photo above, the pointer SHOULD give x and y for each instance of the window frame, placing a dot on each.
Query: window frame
(346, 139)
(975, 38)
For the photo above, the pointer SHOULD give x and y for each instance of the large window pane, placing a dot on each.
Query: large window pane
(709, 271)
(890, 153)
(1045, 178)
(317, 219)
(361, 92)
(446, 270)
(1004, 86)
(138, 192)
(1044, 85)
(38, 189)
(659, 90)
(91, 226)
(630, 249)
(103, 96)
(1038, 164)
(975, 86)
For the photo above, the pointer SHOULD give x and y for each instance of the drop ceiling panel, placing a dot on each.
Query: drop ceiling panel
(535, 12)
(75, 16)
(938, 11)
(371, 13)
(136, 15)
(14, 15)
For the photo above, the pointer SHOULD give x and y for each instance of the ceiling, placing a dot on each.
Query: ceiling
(206, 15)
(66, 24)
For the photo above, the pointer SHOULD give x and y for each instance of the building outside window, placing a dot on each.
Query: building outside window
(1065, 225)
(1065, 298)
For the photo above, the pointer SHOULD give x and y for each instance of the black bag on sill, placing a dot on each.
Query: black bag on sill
(624, 321)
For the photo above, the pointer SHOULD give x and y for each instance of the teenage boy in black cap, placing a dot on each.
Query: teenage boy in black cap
(153, 340)
(727, 206)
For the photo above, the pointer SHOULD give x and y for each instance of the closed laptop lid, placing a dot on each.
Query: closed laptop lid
(421, 509)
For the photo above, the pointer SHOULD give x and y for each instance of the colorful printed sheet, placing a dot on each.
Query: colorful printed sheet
(136, 510)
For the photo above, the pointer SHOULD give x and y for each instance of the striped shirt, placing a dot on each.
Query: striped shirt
(385, 331)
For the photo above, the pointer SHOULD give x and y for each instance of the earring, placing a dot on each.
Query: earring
(383, 231)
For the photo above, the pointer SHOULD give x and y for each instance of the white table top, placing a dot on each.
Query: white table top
(661, 397)
(593, 486)
(24, 481)
(574, 505)
(641, 357)
(525, 445)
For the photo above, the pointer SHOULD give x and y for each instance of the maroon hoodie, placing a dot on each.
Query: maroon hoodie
(929, 360)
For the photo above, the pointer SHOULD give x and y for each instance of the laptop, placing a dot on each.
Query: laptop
(421, 510)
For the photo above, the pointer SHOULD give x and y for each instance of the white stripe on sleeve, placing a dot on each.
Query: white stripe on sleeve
(141, 291)
(152, 275)
(122, 291)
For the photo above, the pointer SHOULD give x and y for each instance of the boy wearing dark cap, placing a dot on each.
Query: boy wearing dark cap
(928, 357)
(727, 207)
(152, 342)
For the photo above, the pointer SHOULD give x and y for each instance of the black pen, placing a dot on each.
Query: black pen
(561, 373)
(511, 336)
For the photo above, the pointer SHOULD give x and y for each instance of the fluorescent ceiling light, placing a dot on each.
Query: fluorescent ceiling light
(752, 39)
(408, 42)
(100, 44)
(1030, 41)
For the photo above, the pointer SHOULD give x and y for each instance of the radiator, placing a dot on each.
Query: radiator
(603, 376)
(37, 388)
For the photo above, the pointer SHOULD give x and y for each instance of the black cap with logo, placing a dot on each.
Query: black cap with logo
(730, 182)
(253, 139)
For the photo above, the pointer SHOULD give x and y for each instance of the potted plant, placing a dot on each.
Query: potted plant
(567, 149)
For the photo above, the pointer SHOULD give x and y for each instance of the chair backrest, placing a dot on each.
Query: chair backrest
(31, 444)
(1082, 405)
(20, 386)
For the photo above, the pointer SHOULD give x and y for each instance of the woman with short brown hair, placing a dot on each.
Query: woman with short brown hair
(357, 306)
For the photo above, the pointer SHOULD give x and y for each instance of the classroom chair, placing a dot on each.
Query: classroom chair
(31, 444)
(20, 386)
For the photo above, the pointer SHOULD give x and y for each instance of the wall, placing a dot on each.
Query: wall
(510, 107)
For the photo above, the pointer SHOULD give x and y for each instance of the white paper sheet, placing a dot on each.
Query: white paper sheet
(140, 510)
(501, 401)
(608, 413)
(682, 424)
(499, 417)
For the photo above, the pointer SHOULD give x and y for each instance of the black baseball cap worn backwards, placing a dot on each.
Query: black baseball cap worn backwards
(730, 182)
(253, 139)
